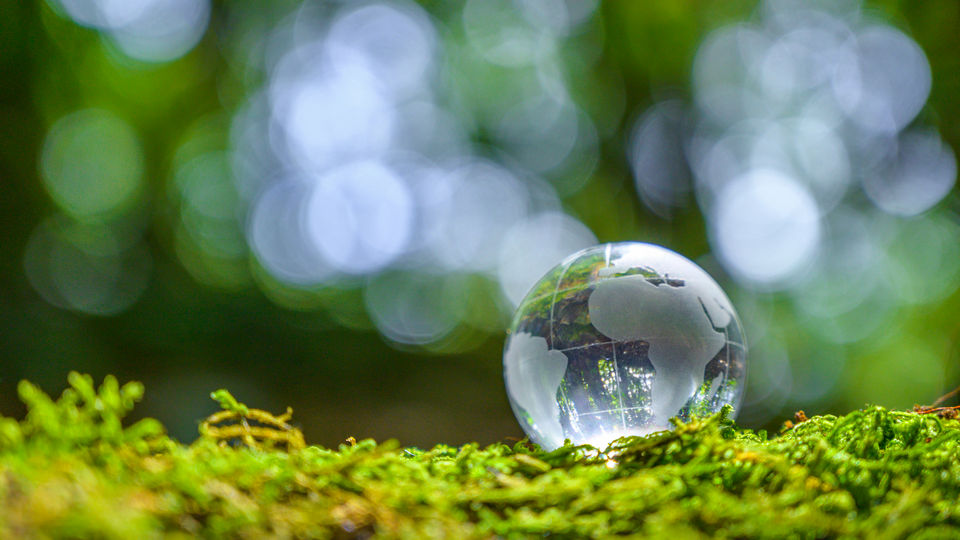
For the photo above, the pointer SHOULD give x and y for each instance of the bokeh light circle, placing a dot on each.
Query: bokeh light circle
(92, 164)
(360, 217)
(148, 30)
(766, 228)
(86, 267)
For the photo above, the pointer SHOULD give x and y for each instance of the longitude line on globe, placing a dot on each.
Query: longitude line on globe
(616, 368)
(553, 301)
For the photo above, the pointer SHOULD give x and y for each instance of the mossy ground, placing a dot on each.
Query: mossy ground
(70, 469)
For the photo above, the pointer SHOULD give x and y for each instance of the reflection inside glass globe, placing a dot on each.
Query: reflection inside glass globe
(615, 341)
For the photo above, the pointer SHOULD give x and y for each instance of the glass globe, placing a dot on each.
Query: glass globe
(616, 340)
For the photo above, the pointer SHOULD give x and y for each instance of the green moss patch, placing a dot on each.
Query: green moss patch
(71, 468)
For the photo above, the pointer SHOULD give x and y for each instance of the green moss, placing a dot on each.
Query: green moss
(71, 469)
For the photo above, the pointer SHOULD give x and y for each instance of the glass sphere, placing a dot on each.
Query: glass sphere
(616, 340)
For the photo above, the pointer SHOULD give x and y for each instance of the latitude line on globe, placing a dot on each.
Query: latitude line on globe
(621, 410)
(559, 290)
(613, 342)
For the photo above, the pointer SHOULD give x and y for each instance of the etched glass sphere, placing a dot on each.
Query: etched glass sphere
(615, 341)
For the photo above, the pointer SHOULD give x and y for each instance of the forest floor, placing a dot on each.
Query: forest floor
(72, 469)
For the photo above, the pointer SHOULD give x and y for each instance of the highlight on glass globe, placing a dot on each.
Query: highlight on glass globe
(616, 340)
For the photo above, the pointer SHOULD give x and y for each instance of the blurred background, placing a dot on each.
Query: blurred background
(337, 205)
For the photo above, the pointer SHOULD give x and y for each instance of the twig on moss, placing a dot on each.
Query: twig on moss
(945, 397)
(275, 429)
